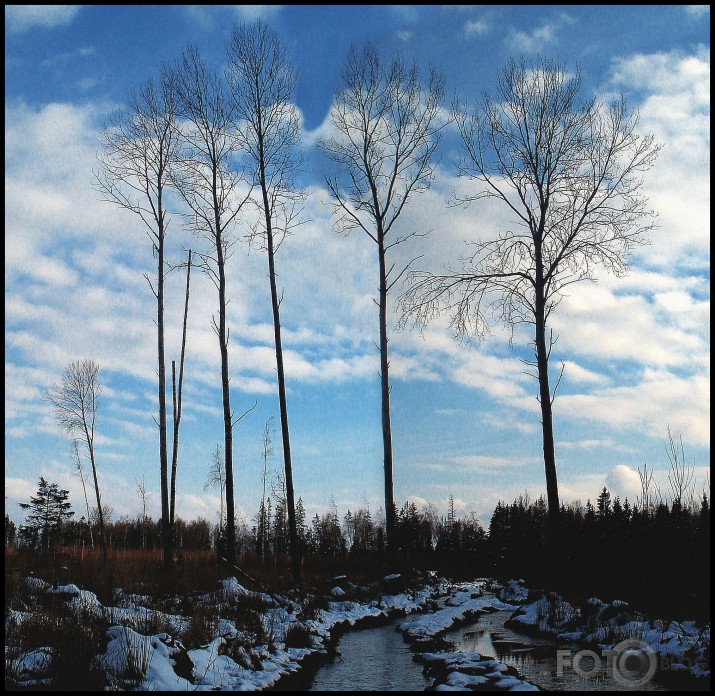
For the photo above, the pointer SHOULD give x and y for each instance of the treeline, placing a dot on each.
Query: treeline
(656, 556)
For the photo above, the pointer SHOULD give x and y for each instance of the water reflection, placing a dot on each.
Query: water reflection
(535, 658)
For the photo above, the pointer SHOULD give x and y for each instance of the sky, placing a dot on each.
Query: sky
(465, 419)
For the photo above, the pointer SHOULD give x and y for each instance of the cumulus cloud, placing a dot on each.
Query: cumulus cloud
(623, 481)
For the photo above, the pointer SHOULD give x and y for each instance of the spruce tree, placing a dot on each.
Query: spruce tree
(48, 511)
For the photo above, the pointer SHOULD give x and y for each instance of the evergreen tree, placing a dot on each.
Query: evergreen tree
(48, 510)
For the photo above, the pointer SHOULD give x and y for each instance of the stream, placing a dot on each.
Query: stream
(533, 657)
(372, 659)
(378, 659)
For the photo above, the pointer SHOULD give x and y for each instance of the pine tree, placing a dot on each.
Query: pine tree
(49, 509)
(603, 503)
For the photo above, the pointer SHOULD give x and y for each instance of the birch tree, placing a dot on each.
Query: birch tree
(75, 403)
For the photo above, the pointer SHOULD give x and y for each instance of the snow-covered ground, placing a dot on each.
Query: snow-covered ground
(680, 646)
(160, 662)
(135, 658)
(462, 671)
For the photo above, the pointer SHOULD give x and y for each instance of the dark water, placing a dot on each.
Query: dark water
(535, 658)
(372, 659)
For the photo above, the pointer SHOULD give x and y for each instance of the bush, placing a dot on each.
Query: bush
(298, 636)
(202, 628)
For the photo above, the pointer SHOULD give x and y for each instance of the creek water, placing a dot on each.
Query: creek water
(535, 658)
(372, 659)
(378, 659)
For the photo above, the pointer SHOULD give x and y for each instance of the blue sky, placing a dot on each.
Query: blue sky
(465, 418)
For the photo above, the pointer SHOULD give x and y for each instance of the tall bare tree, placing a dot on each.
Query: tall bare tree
(211, 188)
(387, 128)
(568, 171)
(75, 403)
(262, 81)
(139, 147)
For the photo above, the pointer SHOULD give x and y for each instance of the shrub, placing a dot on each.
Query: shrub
(298, 635)
(202, 628)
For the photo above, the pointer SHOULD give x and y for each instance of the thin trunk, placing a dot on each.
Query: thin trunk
(175, 449)
(165, 521)
(390, 540)
(84, 490)
(227, 426)
(275, 303)
(177, 400)
(542, 360)
(100, 513)
(290, 499)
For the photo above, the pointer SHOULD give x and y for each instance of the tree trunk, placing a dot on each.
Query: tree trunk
(227, 425)
(100, 513)
(165, 521)
(290, 499)
(542, 360)
(275, 303)
(390, 541)
(177, 400)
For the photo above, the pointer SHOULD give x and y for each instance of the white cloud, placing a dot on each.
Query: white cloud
(487, 464)
(19, 489)
(623, 481)
(251, 13)
(537, 40)
(477, 27)
(659, 398)
(697, 11)
(19, 18)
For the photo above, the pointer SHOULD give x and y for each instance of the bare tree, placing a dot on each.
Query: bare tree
(387, 128)
(143, 497)
(75, 403)
(139, 148)
(681, 477)
(217, 478)
(262, 81)
(262, 515)
(569, 174)
(176, 399)
(211, 189)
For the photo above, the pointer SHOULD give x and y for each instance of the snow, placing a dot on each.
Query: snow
(468, 671)
(30, 667)
(682, 645)
(459, 605)
(149, 662)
